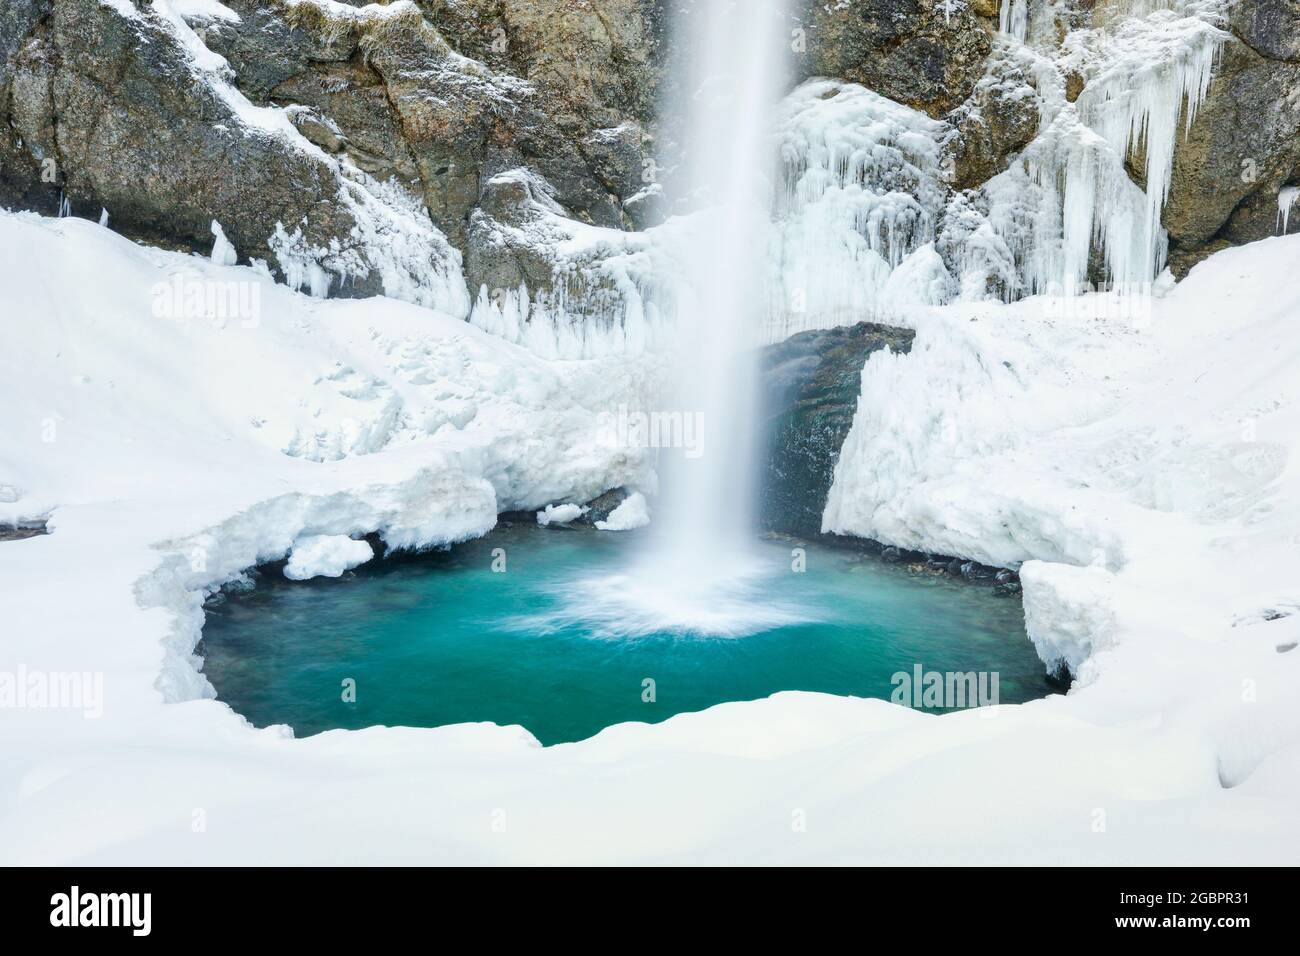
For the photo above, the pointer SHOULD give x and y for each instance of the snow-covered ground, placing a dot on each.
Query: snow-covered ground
(1145, 471)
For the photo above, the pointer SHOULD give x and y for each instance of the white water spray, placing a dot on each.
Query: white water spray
(700, 576)
(737, 52)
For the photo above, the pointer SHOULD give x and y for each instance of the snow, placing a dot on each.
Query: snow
(325, 556)
(366, 13)
(1140, 465)
(1145, 470)
(335, 417)
(179, 419)
(560, 514)
(205, 10)
(1068, 611)
(632, 513)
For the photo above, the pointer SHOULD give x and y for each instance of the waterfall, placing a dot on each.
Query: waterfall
(700, 574)
(736, 51)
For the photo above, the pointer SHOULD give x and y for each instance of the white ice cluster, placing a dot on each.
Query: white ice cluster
(857, 205)
(867, 225)
(391, 237)
(325, 556)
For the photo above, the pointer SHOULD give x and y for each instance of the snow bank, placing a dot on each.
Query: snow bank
(1142, 466)
(1163, 455)
(325, 556)
(632, 513)
(1069, 612)
(347, 417)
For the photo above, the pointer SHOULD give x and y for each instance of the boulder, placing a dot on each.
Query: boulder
(927, 54)
(1243, 147)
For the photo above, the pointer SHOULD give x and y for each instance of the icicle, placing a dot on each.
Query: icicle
(1140, 101)
(1146, 70)
(1286, 201)
(1013, 19)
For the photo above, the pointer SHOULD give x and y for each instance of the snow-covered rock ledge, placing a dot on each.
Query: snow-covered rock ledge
(157, 447)
(1134, 457)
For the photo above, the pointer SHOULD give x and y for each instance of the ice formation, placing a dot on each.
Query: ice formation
(1286, 200)
(1145, 71)
(867, 226)
(325, 556)
(609, 292)
(857, 204)
(560, 514)
(223, 253)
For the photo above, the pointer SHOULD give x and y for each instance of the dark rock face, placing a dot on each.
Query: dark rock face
(810, 386)
(1270, 27)
(105, 109)
(911, 51)
(998, 120)
(108, 111)
(22, 532)
(1245, 144)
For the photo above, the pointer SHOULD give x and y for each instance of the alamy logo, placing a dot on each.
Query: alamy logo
(950, 690)
(656, 429)
(187, 297)
(53, 690)
(102, 909)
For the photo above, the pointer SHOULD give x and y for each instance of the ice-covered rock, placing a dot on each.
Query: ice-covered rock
(171, 144)
(810, 385)
(858, 201)
(1069, 612)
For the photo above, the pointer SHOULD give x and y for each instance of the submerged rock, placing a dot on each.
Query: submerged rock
(810, 385)
(599, 509)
